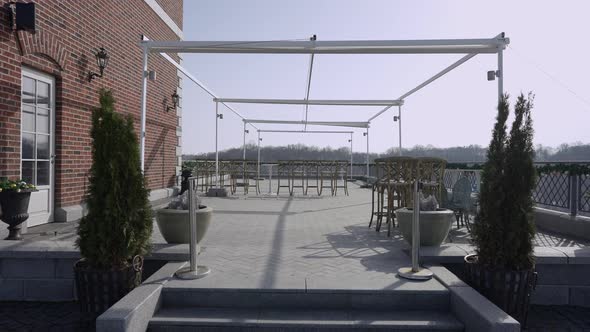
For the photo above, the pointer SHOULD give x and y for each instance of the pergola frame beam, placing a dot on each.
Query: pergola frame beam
(307, 131)
(317, 123)
(471, 47)
(432, 46)
(333, 102)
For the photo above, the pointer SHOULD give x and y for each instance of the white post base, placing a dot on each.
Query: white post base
(186, 273)
(408, 273)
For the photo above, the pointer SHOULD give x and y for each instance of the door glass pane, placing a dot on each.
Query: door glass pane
(42, 173)
(43, 98)
(27, 171)
(28, 90)
(28, 146)
(28, 118)
(42, 147)
(42, 121)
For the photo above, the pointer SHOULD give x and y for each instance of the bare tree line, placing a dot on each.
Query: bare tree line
(471, 153)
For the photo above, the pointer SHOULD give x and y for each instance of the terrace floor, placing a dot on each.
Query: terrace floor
(301, 241)
(338, 224)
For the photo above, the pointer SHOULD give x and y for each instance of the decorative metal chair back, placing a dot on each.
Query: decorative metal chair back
(402, 172)
(461, 197)
(431, 174)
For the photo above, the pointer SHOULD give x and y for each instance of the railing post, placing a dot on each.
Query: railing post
(574, 179)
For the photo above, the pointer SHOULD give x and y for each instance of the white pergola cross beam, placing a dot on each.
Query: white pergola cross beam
(317, 123)
(333, 102)
(432, 46)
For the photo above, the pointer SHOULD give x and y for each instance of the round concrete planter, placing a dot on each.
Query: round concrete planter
(434, 225)
(174, 224)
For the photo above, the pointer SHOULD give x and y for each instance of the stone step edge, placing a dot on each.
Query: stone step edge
(223, 317)
(350, 300)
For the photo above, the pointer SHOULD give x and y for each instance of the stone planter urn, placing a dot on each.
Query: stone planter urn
(434, 225)
(174, 224)
(14, 208)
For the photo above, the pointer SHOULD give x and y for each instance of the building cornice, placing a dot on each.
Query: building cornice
(165, 17)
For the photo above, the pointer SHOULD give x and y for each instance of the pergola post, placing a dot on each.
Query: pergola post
(216, 148)
(258, 162)
(399, 119)
(500, 74)
(367, 134)
(244, 157)
(350, 156)
(244, 143)
(143, 105)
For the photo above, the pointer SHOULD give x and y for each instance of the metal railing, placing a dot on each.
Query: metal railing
(558, 191)
(562, 192)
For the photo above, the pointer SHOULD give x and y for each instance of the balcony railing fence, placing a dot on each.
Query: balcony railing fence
(559, 191)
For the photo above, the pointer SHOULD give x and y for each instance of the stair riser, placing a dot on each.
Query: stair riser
(409, 301)
(184, 328)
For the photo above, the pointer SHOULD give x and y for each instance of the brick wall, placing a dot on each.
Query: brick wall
(173, 8)
(67, 32)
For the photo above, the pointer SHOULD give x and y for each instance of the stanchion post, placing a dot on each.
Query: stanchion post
(416, 229)
(415, 272)
(193, 271)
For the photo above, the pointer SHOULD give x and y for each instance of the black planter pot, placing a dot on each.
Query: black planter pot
(508, 289)
(14, 211)
(99, 289)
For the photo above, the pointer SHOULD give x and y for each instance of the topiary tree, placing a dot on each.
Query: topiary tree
(119, 221)
(503, 230)
(520, 178)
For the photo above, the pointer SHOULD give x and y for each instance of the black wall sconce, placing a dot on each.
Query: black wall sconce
(102, 60)
(175, 98)
(22, 15)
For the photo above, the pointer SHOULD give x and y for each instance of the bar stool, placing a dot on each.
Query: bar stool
(431, 173)
(383, 175)
(326, 176)
(340, 172)
(394, 179)
(399, 188)
(283, 172)
(312, 171)
(250, 173)
(297, 172)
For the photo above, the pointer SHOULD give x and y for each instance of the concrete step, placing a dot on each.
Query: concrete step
(175, 295)
(289, 319)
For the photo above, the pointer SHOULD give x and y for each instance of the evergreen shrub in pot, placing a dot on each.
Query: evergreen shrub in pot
(116, 232)
(503, 268)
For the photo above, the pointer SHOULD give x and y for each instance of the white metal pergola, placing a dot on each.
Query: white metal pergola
(469, 47)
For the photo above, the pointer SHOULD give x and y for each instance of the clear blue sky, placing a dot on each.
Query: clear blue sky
(456, 110)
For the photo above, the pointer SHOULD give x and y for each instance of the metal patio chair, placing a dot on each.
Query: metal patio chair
(460, 201)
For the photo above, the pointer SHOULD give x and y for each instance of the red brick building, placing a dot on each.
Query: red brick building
(46, 97)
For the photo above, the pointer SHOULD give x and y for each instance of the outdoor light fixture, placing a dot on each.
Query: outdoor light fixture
(102, 60)
(175, 98)
(492, 74)
(220, 116)
(364, 134)
(247, 131)
(395, 118)
(349, 140)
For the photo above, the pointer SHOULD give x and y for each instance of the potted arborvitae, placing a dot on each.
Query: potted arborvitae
(14, 205)
(116, 232)
(503, 267)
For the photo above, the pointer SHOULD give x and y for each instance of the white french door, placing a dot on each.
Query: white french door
(38, 142)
